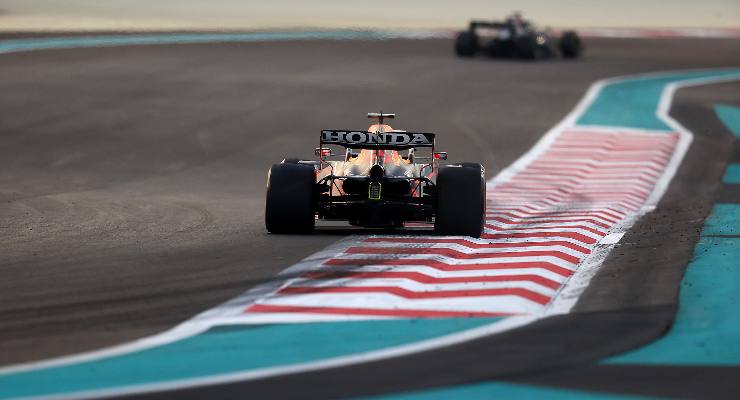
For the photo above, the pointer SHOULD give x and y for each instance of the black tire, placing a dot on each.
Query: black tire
(470, 165)
(291, 160)
(466, 44)
(570, 45)
(290, 200)
(461, 200)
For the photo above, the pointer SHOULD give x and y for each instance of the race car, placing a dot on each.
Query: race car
(379, 178)
(515, 38)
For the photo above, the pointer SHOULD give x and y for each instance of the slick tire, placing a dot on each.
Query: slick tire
(570, 45)
(461, 200)
(290, 201)
(466, 44)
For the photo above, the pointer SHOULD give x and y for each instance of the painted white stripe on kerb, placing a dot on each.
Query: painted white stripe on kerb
(476, 241)
(435, 273)
(542, 230)
(505, 303)
(540, 224)
(462, 262)
(418, 287)
(462, 249)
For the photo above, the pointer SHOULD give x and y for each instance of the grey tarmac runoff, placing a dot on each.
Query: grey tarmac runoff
(132, 178)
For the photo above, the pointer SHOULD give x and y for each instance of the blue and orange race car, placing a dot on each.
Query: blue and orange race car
(382, 178)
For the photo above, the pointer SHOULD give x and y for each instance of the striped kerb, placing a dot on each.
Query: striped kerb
(540, 225)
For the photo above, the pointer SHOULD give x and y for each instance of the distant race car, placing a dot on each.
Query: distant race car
(383, 178)
(515, 38)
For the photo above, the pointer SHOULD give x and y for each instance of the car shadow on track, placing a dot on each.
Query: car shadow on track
(342, 231)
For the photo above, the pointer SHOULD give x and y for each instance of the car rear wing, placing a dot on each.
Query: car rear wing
(393, 140)
(487, 24)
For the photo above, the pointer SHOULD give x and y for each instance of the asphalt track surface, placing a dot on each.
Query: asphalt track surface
(132, 185)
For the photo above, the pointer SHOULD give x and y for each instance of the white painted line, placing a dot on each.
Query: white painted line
(503, 303)
(426, 345)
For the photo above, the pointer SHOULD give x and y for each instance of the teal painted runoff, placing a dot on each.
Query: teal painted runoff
(499, 390)
(732, 175)
(707, 326)
(723, 221)
(730, 116)
(67, 42)
(228, 349)
(633, 102)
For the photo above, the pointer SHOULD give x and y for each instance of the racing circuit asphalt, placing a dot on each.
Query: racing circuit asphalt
(132, 178)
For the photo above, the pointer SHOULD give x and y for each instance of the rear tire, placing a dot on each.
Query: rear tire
(461, 200)
(570, 45)
(290, 200)
(466, 44)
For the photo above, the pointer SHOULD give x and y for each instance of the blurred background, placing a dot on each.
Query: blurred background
(56, 15)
